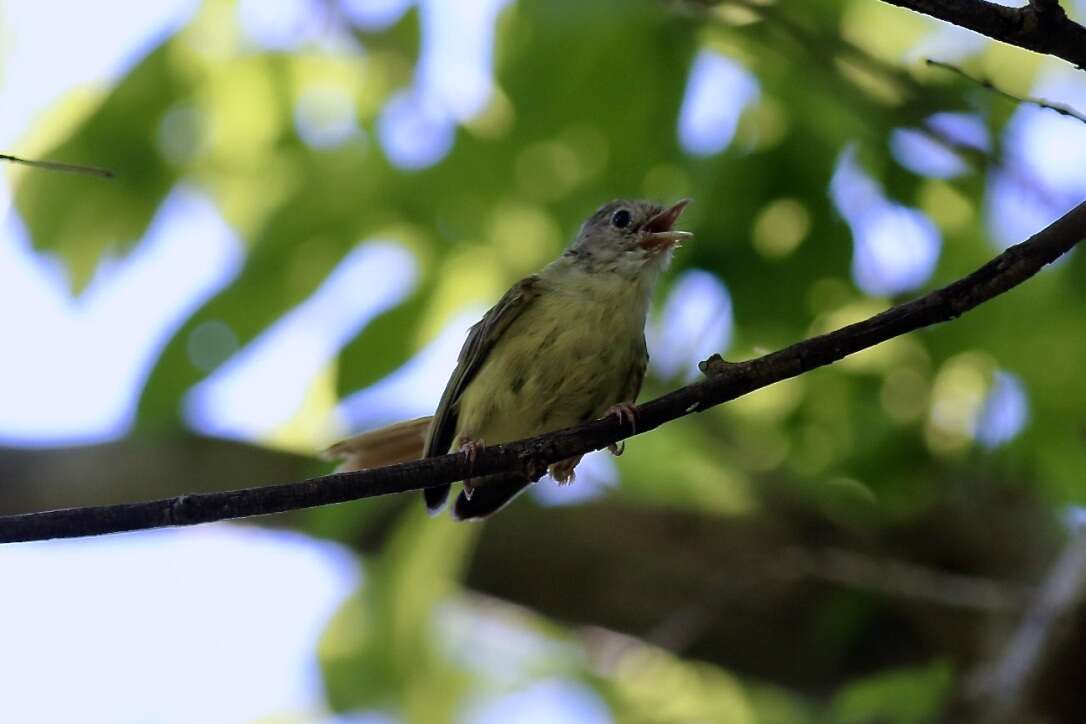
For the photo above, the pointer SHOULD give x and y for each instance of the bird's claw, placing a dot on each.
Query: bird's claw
(625, 412)
(563, 471)
(617, 448)
(471, 449)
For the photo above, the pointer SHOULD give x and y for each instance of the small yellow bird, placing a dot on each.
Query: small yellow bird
(561, 347)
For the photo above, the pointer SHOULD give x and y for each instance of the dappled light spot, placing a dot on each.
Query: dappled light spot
(374, 14)
(210, 596)
(963, 129)
(210, 343)
(472, 274)
(758, 448)
(546, 701)
(453, 82)
(924, 155)
(496, 118)
(815, 447)
(771, 404)
(1005, 411)
(904, 395)
(879, 358)
(182, 134)
(895, 248)
(1042, 178)
(1053, 146)
(414, 131)
(896, 251)
(662, 687)
(931, 151)
(243, 107)
(780, 227)
(589, 145)
(958, 391)
(868, 79)
(667, 182)
(1016, 210)
(1074, 517)
(946, 205)
(263, 386)
(763, 125)
(527, 236)
(827, 294)
(325, 116)
(717, 91)
(695, 322)
(500, 642)
(456, 58)
(116, 328)
(279, 24)
(845, 488)
(548, 171)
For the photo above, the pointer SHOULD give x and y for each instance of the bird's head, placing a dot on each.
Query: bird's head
(628, 237)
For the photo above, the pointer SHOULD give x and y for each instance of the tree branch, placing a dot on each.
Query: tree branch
(726, 381)
(1042, 26)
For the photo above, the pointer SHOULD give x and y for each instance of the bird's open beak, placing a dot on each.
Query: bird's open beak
(657, 232)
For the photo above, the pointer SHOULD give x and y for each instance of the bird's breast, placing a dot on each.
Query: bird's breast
(565, 360)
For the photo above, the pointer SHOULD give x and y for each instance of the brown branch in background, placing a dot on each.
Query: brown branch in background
(1042, 26)
(891, 577)
(60, 166)
(1060, 108)
(726, 381)
(904, 579)
(1003, 691)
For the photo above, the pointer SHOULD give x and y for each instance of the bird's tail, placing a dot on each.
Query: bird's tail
(405, 441)
(388, 445)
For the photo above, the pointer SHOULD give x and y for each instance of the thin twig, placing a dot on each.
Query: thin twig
(1060, 108)
(725, 381)
(905, 579)
(1004, 689)
(60, 166)
(895, 578)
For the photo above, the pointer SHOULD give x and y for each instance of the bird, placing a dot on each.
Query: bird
(561, 347)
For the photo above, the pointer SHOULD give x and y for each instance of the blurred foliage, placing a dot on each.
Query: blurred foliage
(586, 102)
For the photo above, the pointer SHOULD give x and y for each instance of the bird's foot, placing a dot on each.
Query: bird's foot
(470, 448)
(562, 471)
(625, 412)
(617, 448)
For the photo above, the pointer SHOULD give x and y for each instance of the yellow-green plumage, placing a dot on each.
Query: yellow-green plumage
(575, 351)
(560, 348)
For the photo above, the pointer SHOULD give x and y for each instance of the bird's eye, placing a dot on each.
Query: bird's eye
(620, 219)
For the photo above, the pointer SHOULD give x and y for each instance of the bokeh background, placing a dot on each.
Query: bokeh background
(315, 198)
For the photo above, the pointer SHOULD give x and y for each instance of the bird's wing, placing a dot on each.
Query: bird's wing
(481, 339)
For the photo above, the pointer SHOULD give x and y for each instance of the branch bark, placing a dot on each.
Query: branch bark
(725, 381)
(1042, 26)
